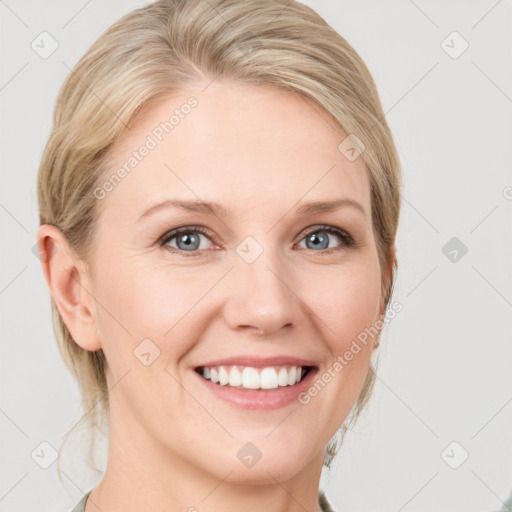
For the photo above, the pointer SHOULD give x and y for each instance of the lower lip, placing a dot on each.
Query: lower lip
(259, 399)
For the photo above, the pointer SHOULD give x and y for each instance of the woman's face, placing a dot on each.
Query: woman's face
(265, 283)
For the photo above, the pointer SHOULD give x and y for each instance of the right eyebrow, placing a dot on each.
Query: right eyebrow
(207, 208)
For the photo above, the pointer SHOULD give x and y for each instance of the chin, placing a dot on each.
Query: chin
(263, 461)
(263, 472)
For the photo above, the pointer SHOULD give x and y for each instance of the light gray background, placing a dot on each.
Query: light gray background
(445, 360)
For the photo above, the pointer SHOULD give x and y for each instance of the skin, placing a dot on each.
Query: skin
(260, 152)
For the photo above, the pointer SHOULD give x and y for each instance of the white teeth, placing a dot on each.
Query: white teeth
(250, 378)
(254, 378)
(292, 376)
(223, 376)
(282, 377)
(235, 377)
(268, 378)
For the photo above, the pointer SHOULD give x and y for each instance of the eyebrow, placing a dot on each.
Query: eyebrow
(211, 208)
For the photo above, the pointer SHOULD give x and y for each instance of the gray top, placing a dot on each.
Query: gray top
(80, 506)
(323, 504)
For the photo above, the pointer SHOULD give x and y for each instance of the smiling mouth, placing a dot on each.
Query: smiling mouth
(248, 377)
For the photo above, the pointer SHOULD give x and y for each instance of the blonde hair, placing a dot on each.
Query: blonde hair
(164, 47)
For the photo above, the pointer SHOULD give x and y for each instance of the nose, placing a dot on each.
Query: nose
(261, 297)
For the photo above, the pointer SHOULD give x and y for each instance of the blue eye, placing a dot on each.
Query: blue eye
(314, 240)
(188, 239)
(185, 242)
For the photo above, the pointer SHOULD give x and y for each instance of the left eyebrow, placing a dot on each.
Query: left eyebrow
(328, 206)
(210, 208)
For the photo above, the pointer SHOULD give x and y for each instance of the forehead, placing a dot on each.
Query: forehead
(237, 144)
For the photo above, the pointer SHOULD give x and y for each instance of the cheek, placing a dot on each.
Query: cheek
(140, 302)
(346, 302)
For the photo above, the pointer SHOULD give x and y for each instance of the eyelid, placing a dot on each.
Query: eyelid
(325, 227)
(347, 240)
(173, 232)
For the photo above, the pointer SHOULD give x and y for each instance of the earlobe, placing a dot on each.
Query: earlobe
(67, 280)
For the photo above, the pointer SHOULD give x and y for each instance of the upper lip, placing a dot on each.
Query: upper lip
(258, 362)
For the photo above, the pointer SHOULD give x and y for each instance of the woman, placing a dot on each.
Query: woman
(219, 200)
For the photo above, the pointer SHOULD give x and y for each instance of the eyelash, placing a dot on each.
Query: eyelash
(347, 241)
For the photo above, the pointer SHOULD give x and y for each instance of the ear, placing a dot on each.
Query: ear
(67, 279)
(386, 283)
(387, 277)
